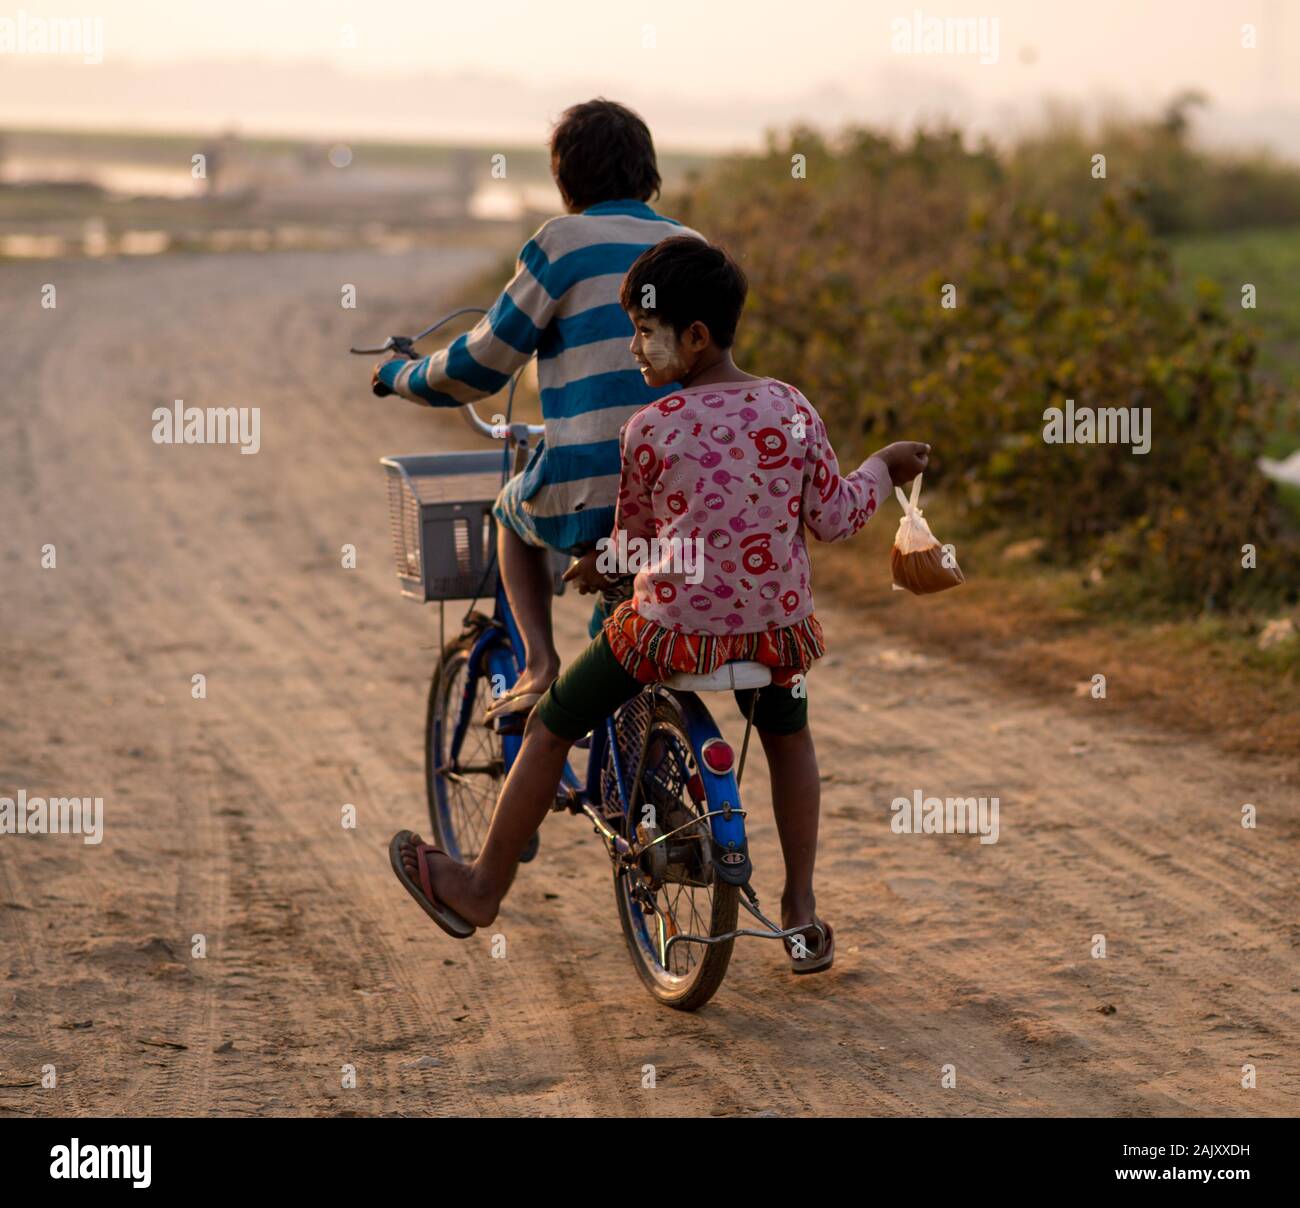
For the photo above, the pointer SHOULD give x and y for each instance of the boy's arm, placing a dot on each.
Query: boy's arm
(481, 362)
(633, 514)
(836, 506)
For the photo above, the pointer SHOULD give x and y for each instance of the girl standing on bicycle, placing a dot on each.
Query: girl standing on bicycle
(741, 464)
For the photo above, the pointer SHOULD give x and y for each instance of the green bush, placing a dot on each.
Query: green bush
(1176, 186)
(847, 268)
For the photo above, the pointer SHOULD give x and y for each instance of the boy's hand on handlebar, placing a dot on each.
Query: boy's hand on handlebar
(377, 383)
(403, 351)
(905, 459)
(582, 573)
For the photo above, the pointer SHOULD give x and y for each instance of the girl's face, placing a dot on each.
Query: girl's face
(660, 353)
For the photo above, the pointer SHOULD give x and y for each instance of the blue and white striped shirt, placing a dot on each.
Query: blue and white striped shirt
(562, 305)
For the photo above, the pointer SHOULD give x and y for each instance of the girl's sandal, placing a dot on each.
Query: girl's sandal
(422, 890)
(817, 958)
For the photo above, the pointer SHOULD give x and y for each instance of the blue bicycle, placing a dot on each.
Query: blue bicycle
(661, 787)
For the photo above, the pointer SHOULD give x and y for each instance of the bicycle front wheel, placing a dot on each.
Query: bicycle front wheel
(463, 771)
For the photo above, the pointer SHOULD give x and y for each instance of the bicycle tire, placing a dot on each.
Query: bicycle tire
(459, 813)
(706, 970)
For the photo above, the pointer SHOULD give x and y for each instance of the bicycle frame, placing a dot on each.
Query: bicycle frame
(495, 652)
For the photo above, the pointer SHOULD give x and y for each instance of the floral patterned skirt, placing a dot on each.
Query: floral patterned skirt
(649, 652)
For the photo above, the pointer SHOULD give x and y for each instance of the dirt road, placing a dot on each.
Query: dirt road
(223, 814)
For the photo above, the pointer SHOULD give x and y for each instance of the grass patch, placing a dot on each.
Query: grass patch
(1048, 630)
(1268, 259)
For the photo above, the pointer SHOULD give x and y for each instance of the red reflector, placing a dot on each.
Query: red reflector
(718, 756)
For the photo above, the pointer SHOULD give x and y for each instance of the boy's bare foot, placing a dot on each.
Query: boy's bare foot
(451, 882)
(512, 703)
(527, 691)
(535, 680)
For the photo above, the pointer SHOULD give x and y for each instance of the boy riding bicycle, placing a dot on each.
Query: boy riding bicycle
(742, 466)
(561, 305)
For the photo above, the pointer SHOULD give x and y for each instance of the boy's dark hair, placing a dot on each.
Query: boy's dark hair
(692, 280)
(602, 151)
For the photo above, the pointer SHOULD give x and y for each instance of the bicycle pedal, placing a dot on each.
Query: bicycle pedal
(566, 798)
(509, 724)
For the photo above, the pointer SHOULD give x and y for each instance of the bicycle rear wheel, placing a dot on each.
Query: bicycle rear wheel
(673, 889)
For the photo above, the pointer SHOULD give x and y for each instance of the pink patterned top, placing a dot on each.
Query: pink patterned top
(739, 470)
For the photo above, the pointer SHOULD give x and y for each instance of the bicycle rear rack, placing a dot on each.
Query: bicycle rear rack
(750, 902)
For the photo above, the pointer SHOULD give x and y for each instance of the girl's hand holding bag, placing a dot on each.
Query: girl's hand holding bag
(919, 562)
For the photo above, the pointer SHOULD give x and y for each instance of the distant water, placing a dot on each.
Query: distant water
(120, 179)
(494, 201)
(497, 201)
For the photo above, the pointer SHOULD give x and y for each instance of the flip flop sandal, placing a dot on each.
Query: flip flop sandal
(512, 703)
(819, 958)
(507, 695)
(422, 890)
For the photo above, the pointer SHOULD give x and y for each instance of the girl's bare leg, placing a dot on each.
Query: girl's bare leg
(796, 803)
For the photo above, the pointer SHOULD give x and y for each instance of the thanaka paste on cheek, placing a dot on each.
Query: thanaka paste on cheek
(658, 348)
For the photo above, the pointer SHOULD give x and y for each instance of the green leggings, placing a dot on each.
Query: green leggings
(592, 686)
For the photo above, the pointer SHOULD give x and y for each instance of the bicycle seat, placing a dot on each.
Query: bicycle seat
(727, 678)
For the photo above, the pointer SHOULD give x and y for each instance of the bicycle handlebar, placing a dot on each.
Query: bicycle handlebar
(502, 431)
(405, 346)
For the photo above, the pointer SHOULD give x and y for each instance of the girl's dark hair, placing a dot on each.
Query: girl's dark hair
(602, 151)
(692, 280)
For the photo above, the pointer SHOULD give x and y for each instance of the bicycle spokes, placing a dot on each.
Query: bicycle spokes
(669, 869)
(467, 763)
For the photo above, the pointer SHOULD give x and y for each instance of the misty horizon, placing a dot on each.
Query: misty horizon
(506, 75)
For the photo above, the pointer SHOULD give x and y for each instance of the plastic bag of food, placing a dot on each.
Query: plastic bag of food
(919, 562)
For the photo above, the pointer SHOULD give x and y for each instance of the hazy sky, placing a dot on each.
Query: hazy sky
(704, 72)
